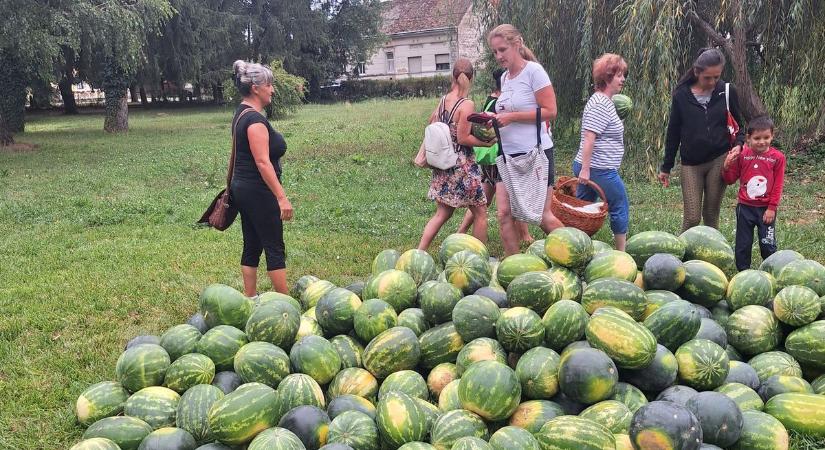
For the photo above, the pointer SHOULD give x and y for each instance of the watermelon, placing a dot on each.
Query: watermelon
(392, 350)
(271, 296)
(413, 318)
(803, 272)
(98, 401)
(439, 344)
(761, 432)
(564, 323)
(301, 389)
(753, 329)
(623, 442)
(587, 375)
(629, 344)
(642, 246)
(237, 417)
(796, 305)
(571, 432)
(481, 349)
(707, 244)
(196, 320)
(440, 376)
(349, 402)
(495, 293)
(733, 355)
(406, 381)
(193, 411)
(515, 265)
(475, 316)
(509, 437)
(262, 362)
(355, 381)
(275, 322)
(356, 287)
(818, 385)
(409, 446)
(316, 357)
(355, 429)
(223, 305)
(489, 389)
(743, 373)
(537, 249)
(720, 314)
(467, 271)
(189, 370)
(569, 247)
(538, 373)
(663, 271)
(534, 290)
(385, 260)
(630, 395)
(180, 340)
(677, 394)
(419, 264)
(448, 398)
(437, 301)
(169, 438)
(457, 242)
(452, 425)
(623, 105)
(781, 384)
(745, 398)
(656, 299)
(719, 416)
(126, 432)
(705, 284)
(349, 349)
(665, 425)
(227, 381)
(335, 311)
(807, 344)
(395, 287)
(749, 287)
(373, 317)
(276, 438)
(773, 363)
(703, 364)
(532, 414)
(712, 331)
(658, 375)
(674, 323)
(313, 293)
(220, 344)
(471, 443)
(570, 283)
(142, 339)
(311, 314)
(600, 246)
(95, 444)
(611, 264)
(142, 366)
(519, 329)
(154, 405)
(613, 292)
(400, 419)
(800, 412)
(309, 423)
(301, 284)
(613, 414)
(774, 263)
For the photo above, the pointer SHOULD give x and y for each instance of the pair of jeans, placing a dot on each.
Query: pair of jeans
(616, 195)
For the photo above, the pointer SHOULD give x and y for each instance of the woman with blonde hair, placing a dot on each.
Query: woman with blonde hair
(460, 186)
(525, 86)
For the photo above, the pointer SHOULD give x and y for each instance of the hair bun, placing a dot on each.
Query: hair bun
(239, 67)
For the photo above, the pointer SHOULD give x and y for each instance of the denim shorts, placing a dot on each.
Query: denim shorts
(611, 183)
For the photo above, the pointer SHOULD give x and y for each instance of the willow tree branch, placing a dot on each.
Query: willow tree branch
(711, 32)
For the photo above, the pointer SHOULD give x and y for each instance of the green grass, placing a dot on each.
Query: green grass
(97, 242)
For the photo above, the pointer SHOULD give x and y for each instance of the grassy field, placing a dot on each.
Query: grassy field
(98, 243)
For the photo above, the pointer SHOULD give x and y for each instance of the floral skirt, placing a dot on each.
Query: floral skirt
(460, 186)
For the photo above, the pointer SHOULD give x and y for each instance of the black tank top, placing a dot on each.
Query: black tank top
(245, 169)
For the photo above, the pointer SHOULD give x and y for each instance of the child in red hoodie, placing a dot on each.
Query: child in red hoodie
(760, 170)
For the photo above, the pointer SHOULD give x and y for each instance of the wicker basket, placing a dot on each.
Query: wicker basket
(564, 194)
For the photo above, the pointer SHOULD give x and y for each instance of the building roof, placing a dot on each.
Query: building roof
(405, 16)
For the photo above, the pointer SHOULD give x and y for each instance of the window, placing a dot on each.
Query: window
(390, 62)
(442, 62)
(414, 64)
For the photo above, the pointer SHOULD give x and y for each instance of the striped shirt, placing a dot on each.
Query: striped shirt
(601, 118)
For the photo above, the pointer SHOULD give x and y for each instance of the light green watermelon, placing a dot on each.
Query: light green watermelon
(101, 400)
(223, 305)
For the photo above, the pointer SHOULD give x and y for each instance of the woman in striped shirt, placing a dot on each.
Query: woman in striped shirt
(602, 144)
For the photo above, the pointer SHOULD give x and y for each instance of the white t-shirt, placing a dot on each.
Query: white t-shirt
(519, 94)
(600, 117)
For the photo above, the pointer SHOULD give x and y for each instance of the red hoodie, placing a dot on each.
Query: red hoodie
(760, 177)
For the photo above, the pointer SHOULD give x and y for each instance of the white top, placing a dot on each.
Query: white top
(600, 117)
(519, 94)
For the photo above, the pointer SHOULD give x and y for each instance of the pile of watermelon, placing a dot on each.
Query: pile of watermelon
(570, 345)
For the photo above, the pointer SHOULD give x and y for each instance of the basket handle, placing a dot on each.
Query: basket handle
(592, 185)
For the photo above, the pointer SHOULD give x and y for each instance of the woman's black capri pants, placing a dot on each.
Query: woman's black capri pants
(263, 230)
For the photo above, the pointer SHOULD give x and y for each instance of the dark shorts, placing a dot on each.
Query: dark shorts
(551, 167)
(489, 174)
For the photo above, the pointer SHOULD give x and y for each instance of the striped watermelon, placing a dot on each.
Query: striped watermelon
(781, 384)
(189, 370)
(419, 264)
(126, 432)
(168, 438)
(534, 290)
(569, 247)
(803, 272)
(630, 395)
(408, 382)
(513, 437)
(393, 350)
(275, 322)
(570, 283)
(452, 425)
(272, 296)
(95, 444)
(537, 248)
(818, 385)
(373, 317)
(193, 411)
(587, 375)
(753, 329)
(471, 443)
(441, 376)
(600, 246)
(807, 344)
(665, 425)
(656, 299)
(663, 271)
(642, 246)
(142, 366)
(800, 412)
(571, 432)
(308, 327)
(796, 305)
(658, 375)
(411, 446)
(489, 389)
(439, 344)
(262, 362)
(467, 271)
(98, 401)
(448, 398)
(180, 340)
(611, 264)
(220, 344)
(475, 316)
(515, 265)
(481, 349)
(774, 263)
(385, 260)
(335, 311)
(413, 318)
(773, 363)
(316, 357)
(457, 242)
(437, 301)
(719, 416)
(223, 305)
(538, 373)
(613, 292)
(276, 438)
(313, 293)
(613, 414)
(355, 429)
(299, 389)
(309, 423)
(532, 414)
(395, 287)
(154, 405)
(760, 431)
(239, 416)
(355, 381)
(628, 343)
(720, 313)
(301, 285)
(564, 323)
(400, 419)
(519, 329)
(703, 364)
(349, 349)
(674, 323)
(749, 287)
(708, 244)
(349, 402)
(705, 284)
(745, 398)
(623, 442)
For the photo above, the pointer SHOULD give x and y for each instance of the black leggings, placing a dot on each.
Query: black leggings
(261, 224)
